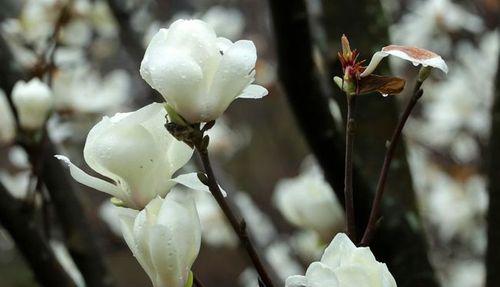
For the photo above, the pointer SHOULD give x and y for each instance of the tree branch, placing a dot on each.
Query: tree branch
(30, 242)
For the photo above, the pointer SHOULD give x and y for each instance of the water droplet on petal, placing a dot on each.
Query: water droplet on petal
(384, 95)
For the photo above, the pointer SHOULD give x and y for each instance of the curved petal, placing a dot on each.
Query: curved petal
(155, 50)
(88, 180)
(165, 257)
(320, 275)
(234, 74)
(417, 56)
(376, 59)
(191, 180)
(253, 92)
(223, 44)
(127, 224)
(296, 281)
(353, 276)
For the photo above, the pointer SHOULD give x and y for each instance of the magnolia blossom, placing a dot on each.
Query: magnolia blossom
(415, 55)
(198, 74)
(165, 238)
(342, 265)
(7, 121)
(33, 101)
(137, 155)
(308, 201)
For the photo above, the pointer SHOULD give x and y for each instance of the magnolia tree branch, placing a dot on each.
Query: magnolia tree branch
(389, 155)
(237, 225)
(36, 251)
(348, 192)
(493, 249)
(78, 235)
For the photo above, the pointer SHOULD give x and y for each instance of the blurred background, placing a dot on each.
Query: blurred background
(435, 227)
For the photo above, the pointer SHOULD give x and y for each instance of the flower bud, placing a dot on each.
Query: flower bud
(165, 238)
(308, 202)
(198, 74)
(344, 264)
(33, 101)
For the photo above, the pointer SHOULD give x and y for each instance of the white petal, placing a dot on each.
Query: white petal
(155, 50)
(253, 92)
(354, 276)
(223, 44)
(191, 180)
(417, 56)
(127, 230)
(234, 74)
(320, 275)
(296, 281)
(376, 59)
(90, 181)
(165, 257)
(340, 247)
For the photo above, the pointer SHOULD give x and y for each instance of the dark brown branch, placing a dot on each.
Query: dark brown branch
(350, 129)
(30, 242)
(493, 249)
(379, 193)
(237, 225)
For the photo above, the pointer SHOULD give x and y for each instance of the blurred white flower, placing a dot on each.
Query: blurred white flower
(197, 73)
(308, 245)
(224, 141)
(17, 184)
(83, 90)
(165, 238)
(343, 264)
(430, 22)
(226, 22)
(109, 213)
(308, 202)
(7, 121)
(257, 222)
(278, 254)
(135, 152)
(466, 273)
(64, 258)
(216, 231)
(33, 101)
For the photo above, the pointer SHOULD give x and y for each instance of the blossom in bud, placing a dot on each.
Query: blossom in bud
(7, 121)
(198, 74)
(308, 202)
(33, 101)
(165, 238)
(343, 265)
(135, 152)
(417, 56)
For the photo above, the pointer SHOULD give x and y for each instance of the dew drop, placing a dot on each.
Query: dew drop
(384, 95)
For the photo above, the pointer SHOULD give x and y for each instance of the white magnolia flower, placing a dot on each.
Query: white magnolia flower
(197, 73)
(7, 121)
(226, 22)
(344, 265)
(165, 238)
(66, 261)
(33, 101)
(135, 152)
(417, 56)
(308, 201)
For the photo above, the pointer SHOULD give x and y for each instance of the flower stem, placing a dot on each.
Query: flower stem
(389, 155)
(348, 193)
(238, 226)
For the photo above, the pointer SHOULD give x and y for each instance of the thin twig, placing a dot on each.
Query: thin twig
(348, 193)
(238, 227)
(377, 201)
